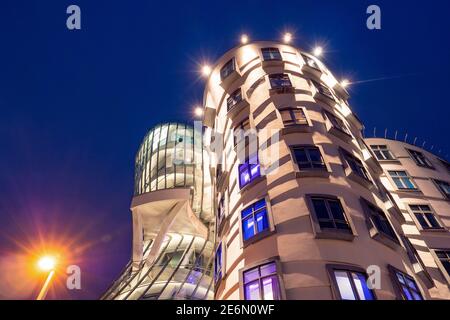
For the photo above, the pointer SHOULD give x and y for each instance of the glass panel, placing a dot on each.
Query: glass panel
(261, 221)
(344, 286)
(320, 209)
(300, 155)
(268, 269)
(252, 291)
(336, 210)
(251, 275)
(248, 227)
(271, 288)
(406, 293)
(363, 290)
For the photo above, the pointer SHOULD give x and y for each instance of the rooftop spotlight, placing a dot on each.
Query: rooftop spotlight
(287, 37)
(244, 39)
(318, 51)
(345, 83)
(198, 111)
(206, 70)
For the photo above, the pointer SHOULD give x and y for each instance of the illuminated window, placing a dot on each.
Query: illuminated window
(382, 152)
(218, 264)
(262, 283)
(350, 284)
(255, 219)
(249, 171)
(425, 216)
(402, 180)
(271, 54)
(221, 209)
(308, 157)
(407, 286)
(293, 116)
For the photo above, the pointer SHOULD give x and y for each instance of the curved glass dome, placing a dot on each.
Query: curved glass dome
(171, 156)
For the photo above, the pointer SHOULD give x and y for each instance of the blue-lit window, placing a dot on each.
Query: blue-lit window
(218, 264)
(262, 283)
(402, 180)
(255, 219)
(407, 285)
(352, 285)
(227, 69)
(249, 171)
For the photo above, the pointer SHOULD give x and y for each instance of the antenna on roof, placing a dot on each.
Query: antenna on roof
(415, 139)
(406, 136)
(395, 137)
(385, 133)
(432, 147)
(423, 144)
(374, 132)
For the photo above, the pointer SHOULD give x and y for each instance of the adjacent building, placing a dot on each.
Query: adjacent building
(419, 183)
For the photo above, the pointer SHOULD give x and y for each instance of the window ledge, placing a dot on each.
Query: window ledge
(320, 96)
(281, 90)
(312, 71)
(294, 128)
(335, 234)
(391, 161)
(387, 241)
(232, 77)
(358, 179)
(261, 235)
(237, 108)
(434, 230)
(315, 173)
(339, 133)
(272, 63)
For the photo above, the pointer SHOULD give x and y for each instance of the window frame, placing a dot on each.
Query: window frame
(307, 58)
(236, 102)
(337, 124)
(389, 175)
(324, 90)
(283, 87)
(397, 285)
(331, 268)
(262, 234)
(414, 213)
(293, 121)
(436, 182)
(439, 264)
(271, 49)
(415, 156)
(232, 61)
(222, 263)
(370, 210)
(249, 169)
(324, 167)
(257, 264)
(382, 150)
(328, 233)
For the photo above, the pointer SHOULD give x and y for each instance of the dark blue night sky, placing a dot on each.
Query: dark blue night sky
(76, 104)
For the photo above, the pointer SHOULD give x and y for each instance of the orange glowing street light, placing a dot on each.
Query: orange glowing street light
(46, 264)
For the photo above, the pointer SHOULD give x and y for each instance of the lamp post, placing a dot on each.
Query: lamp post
(47, 264)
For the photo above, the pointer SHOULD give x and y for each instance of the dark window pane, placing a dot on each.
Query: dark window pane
(320, 209)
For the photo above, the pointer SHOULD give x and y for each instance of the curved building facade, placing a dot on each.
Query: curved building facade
(419, 182)
(172, 255)
(300, 210)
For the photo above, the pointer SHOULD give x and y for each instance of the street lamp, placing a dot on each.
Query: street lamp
(46, 264)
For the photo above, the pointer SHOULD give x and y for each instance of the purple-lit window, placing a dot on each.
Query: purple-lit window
(218, 264)
(261, 283)
(249, 171)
